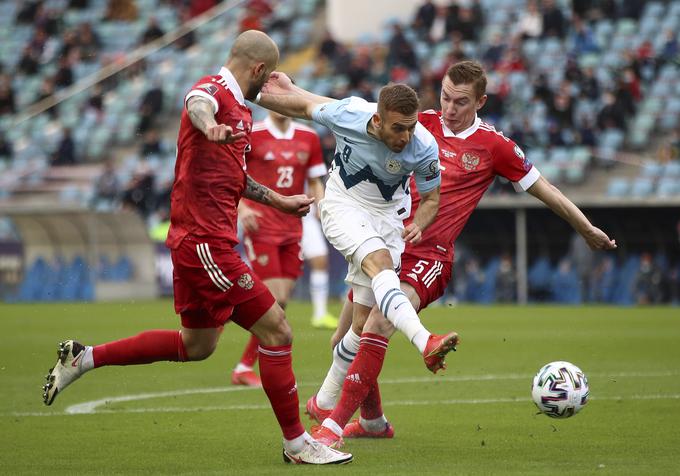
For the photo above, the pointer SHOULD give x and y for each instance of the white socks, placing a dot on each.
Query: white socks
(296, 444)
(396, 307)
(343, 355)
(376, 425)
(242, 368)
(87, 361)
(318, 290)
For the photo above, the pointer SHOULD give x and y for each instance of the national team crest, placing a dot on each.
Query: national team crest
(209, 88)
(246, 281)
(469, 161)
(393, 166)
(520, 155)
(262, 260)
(302, 156)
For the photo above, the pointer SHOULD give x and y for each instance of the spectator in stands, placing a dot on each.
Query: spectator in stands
(611, 114)
(648, 282)
(424, 18)
(6, 149)
(152, 144)
(150, 107)
(632, 9)
(589, 84)
(468, 24)
(79, 4)
(28, 11)
(63, 78)
(604, 280)
(29, 64)
(107, 188)
(400, 50)
(553, 20)
(7, 100)
(583, 258)
(494, 52)
(506, 281)
(328, 47)
(669, 49)
(188, 39)
(582, 39)
(530, 24)
(565, 285)
(88, 42)
(139, 193)
(46, 19)
(66, 150)
(153, 31)
(121, 10)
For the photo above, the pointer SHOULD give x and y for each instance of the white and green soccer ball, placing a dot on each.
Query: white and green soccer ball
(560, 389)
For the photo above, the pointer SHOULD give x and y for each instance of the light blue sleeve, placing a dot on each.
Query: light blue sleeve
(427, 175)
(330, 114)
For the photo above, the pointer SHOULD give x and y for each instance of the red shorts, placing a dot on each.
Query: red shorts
(274, 261)
(428, 277)
(212, 284)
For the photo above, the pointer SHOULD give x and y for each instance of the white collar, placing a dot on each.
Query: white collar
(276, 132)
(466, 133)
(232, 85)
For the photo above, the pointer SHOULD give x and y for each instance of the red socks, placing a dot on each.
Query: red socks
(278, 381)
(249, 356)
(361, 380)
(144, 348)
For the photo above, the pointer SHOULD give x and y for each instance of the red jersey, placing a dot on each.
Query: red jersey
(282, 161)
(469, 161)
(210, 177)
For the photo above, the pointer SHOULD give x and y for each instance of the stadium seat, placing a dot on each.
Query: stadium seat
(618, 187)
(668, 187)
(642, 187)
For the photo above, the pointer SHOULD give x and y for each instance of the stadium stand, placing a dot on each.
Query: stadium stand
(580, 88)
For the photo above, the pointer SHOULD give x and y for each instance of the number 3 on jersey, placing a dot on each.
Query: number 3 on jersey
(285, 179)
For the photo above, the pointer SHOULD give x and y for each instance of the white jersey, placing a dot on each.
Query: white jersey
(364, 170)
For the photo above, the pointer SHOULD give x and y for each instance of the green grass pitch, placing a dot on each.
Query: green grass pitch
(476, 418)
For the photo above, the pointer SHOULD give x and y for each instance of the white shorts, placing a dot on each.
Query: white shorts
(313, 242)
(347, 226)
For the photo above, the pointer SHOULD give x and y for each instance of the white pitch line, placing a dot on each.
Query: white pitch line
(91, 407)
(393, 403)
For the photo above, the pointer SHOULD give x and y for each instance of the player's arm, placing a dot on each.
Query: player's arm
(315, 188)
(201, 112)
(423, 217)
(293, 204)
(565, 208)
(281, 95)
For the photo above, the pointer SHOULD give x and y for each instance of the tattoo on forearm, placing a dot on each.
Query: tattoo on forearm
(200, 112)
(257, 192)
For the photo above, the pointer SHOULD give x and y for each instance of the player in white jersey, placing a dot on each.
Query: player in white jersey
(378, 147)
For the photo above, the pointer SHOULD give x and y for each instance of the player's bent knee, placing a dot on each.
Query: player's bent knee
(272, 329)
(199, 344)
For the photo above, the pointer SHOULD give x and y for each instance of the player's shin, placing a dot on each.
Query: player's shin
(372, 417)
(361, 377)
(343, 356)
(278, 381)
(396, 307)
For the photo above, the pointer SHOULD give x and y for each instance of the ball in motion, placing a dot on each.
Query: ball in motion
(560, 389)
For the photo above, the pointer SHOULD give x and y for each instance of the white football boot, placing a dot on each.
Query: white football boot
(314, 452)
(67, 369)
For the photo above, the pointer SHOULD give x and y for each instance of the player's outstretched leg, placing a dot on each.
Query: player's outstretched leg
(436, 349)
(150, 346)
(68, 369)
(244, 374)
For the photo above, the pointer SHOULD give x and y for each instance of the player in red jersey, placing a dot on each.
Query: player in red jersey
(471, 153)
(285, 156)
(211, 283)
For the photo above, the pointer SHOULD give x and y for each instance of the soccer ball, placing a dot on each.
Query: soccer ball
(560, 389)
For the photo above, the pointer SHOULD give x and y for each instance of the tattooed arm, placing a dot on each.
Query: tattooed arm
(202, 115)
(294, 204)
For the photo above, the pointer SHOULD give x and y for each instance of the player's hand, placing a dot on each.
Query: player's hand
(248, 218)
(278, 83)
(222, 134)
(598, 240)
(295, 204)
(412, 233)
